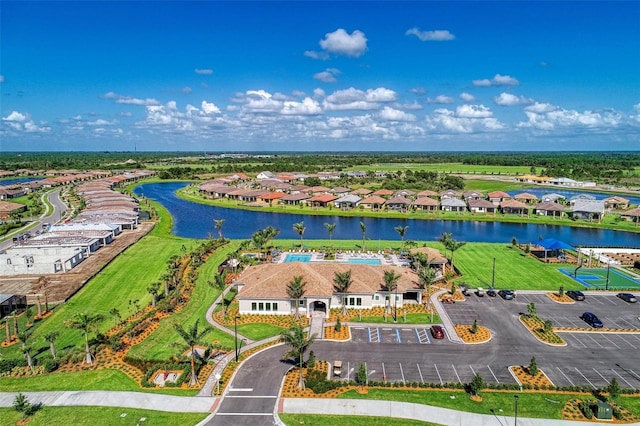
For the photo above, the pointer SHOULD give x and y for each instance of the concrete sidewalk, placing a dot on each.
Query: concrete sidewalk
(406, 410)
(148, 401)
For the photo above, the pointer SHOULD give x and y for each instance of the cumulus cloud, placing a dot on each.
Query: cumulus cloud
(128, 100)
(497, 80)
(392, 114)
(102, 122)
(508, 99)
(437, 35)
(203, 71)
(466, 119)
(418, 90)
(354, 99)
(209, 108)
(19, 122)
(308, 106)
(328, 76)
(441, 99)
(340, 42)
(318, 93)
(547, 117)
(473, 111)
(467, 97)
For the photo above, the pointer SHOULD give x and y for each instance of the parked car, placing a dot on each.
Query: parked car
(480, 292)
(492, 292)
(627, 297)
(437, 332)
(337, 368)
(591, 319)
(507, 294)
(576, 295)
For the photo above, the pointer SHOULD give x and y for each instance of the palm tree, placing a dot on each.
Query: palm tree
(363, 228)
(165, 281)
(299, 228)
(426, 277)
(154, 289)
(390, 284)
(299, 343)
(26, 348)
(86, 323)
(342, 281)
(453, 246)
(295, 290)
(445, 239)
(402, 231)
(219, 281)
(7, 325)
(51, 338)
(330, 228)
(191, 337)
(217, 223)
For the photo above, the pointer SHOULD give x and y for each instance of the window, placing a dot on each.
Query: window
(261, 306)
(8, 261)
(268, 306)
(352, 301)
(301, 302)
(359, 301)
(254, 306)
(275, 306)
(377, 297)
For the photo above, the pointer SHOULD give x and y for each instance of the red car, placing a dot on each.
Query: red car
(437, 332)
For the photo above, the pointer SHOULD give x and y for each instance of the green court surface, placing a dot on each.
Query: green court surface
(596, 278)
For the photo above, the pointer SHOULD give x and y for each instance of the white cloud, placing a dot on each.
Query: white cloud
(437, 35)
(392, 114)
(508, 99)
(497, 80)
(328, 76)
(204, 71)
(466, 119)
(441, 99)
(540, 108)
(547, 117)
(473, 111)
(19, 122)
(101, 122)
(340, 42)
(298, 93)
(354, 99)
(128, 100)
(15, 116)
(209, 108)
(187, 89)
(126, 114)
(467, 97)
(318, 93)
(418, 90)
(308, 106)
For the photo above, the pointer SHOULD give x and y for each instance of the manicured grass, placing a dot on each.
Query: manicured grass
(492, 185)
(160, 345)
(101, 416)
(535, 405)
(259, 331)
(514, 270)
(446, 168)
(327, 420)
(411, 319)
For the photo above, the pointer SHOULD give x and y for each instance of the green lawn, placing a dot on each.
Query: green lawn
(446, 168)
(535, 405)
(259, 331)
(101, 416)
(160, 344)
(514, 270)
(328, 420)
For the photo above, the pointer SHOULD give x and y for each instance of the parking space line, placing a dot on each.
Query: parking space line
(402, 372)
(494, 376)
(635, 375)
(420, 372)
(610, 300)
(456, 371)
(613, 343)
(585, 377)
(398, 338)
(623, 379)
(472, 371)
(565, 376)
(630, 323)
(439, 377)
(569, 320)
(606, 381)
(594, 340)
(596, 299)
(384, 373)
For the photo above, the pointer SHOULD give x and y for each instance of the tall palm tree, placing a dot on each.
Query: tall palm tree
(51, 337)
(342, 281)
(299, 343)
(86, 323)
(295, 290)
(426, 277)
(402, 231)
(445, 239)
(390, 284)
(330, 228)
(219, 281)
(26, 348)
(453, 246)
(192, 337)
(217, 223)
(300, 229)
(363, 229)
(154, 290)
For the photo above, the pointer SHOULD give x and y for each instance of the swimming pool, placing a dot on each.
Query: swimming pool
(356, 261)
(297, 258)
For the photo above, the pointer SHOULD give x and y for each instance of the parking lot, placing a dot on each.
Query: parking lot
(394, 335)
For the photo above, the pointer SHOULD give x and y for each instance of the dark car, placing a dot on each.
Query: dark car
(437, 332)
(591, 319)
(492, 292)
(627, 297)
(576, 295)
(507, 294)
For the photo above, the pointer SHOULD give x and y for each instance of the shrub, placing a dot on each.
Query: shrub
(51, 365)
(533, 367)
(361, 375)
(585, 408)
(474, 327)
(338, 326)
(9, 364)
(311, 362)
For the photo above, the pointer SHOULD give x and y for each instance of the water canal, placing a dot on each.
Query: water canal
(193, 220)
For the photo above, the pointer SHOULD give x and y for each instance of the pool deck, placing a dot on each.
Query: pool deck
(346, 256)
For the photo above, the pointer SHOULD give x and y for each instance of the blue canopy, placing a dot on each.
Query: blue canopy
(553, 244)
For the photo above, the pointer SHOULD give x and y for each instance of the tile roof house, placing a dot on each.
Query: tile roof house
(549, 209)
(426, 203)
(514, 207)
(449, 193)
(427, 193)
(262, 289)
(632, 215)
(616, 202)
(497, 197)
(383, 193)
(398, 203)
(373, 202)
(7, 208)
(525, 197)
(588, 209)
(361, 192)
(472, 195)
(552, 198)
(452, 205)
(481, 206)
(322, 200)
(406, 193)
(294, 199)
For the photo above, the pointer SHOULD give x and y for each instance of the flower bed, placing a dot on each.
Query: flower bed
(558, 299)
(539, 381)
(330, 333)
(572, 411)
(378, 311)
(283, 321)
(536, 326)
(482, 335)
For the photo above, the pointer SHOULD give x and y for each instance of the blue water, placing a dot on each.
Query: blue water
(13, 181)
(568, 193)
(193, 220)
(297, 258)
(355, 261)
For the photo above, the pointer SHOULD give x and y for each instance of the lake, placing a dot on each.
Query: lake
(193, 220)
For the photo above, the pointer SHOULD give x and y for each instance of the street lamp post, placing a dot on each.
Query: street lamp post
(235, 328)
(608, 270)
(395, 305)
(515, 416)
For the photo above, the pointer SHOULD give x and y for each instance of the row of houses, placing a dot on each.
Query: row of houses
(65, 245)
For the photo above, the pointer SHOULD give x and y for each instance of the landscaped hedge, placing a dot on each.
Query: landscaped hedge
(10, 363)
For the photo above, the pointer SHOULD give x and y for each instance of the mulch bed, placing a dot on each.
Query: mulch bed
(536, 326)
(482, 335)
(572, 411)
(558, 299)
(525, 378)
(330, 333)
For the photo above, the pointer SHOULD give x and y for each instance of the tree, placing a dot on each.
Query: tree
(191, 337)
(477, 384)
(22, 405)
(390, 284)
(217, 223)
(298, 343)
(295, 290)
(402, 231)
(115, 314)
(330, 228)
(445, 239)
(361, 375)
(154, 289)
(219, 281)
(363, 229)
(86, 323)
(474, 327)
(338, 326)
(7, 327)
(561, 291)
(26, 348)
(613, 389)
(342, 281)
(300, 229)
(28, 313)
(533, 367)
(51, 337)
(14, 314)
(514, 242)
(451, 245)
(426, 277)
(548, 326)
(531, 309)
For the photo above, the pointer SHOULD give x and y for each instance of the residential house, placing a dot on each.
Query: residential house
(315, 190)
(374, 202)
(12, 302)
(406, 193)
(436, 259)
(616, 202)
(526, 198)
(361, 192)
(347, 202)
(398, 203)
(481, 206)
(497, 197)
(265, 175)
(7, 208)
(294, 199)
(514, 207)
(581, 197)
(552, 198)
(385, 193)
(426, 204)
(563, 181)
(271, 197)
(453, 205)
(449, 193)
(472, 195)
(427, 193)
(632, 215)
(549, 209)
(321, 200)
(588, 209)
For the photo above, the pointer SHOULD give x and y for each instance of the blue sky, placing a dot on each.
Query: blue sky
(319, 76)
